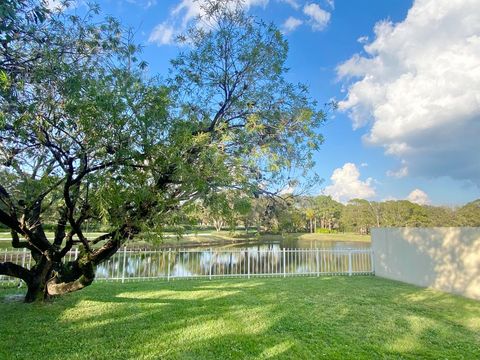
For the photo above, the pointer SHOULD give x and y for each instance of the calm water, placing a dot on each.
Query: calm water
(239, 259)
(232, 259)
(176, 263)
(288, 244)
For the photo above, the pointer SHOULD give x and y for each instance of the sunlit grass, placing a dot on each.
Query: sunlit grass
(336, 237)
(293, 318)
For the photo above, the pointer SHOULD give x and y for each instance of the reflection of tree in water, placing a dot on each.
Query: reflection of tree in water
(261, 259)
(180, 271)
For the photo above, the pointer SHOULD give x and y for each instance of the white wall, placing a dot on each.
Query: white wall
(446, 259)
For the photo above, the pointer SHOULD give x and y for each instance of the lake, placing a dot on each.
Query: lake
(265, 257)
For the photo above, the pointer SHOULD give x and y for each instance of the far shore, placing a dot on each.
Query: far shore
(220, 238)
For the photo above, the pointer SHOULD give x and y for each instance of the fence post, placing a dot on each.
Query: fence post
(349, 262)
(210, 267)
(23, 257)
(372, 262)
(248, 264)
(124, 262)
(318, 264)
(23, 265)
(284, 264)
(168, 273)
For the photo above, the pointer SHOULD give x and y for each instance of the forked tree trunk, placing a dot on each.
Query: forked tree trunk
(47, 278)
(218, 224)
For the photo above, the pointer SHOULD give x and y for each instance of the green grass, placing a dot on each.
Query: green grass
(293, 318)
(329, 237)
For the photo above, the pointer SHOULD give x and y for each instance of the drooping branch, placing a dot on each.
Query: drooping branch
(14, 270)
(67, 287)
(83, 275)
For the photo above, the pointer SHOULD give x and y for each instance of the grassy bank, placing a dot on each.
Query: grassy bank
(327, 237)
(214, 238)
(293, 318)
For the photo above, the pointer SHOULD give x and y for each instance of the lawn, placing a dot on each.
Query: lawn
(293, 318)
(327, 237)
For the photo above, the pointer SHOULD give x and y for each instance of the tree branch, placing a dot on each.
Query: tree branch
(14, 270)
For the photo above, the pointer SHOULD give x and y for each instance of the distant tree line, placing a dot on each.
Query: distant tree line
(323, 214)
(234, 210)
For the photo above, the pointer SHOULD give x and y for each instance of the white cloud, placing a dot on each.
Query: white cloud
(190, 9)
(287, 190)
(419, 197)
(54, 5)
(418, 89)
(186, 11)
(143, 3)
(162, 34)
(318, 18)
(363, 39)
(346, 184)
(293, 3)
(182, 14)
(400, 173)
(59, 5)
(291, 24)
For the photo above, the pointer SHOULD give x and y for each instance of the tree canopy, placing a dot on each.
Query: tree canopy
(86, 134)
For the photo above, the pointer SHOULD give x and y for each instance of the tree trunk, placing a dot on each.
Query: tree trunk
(36, 290)
(37, 284)
(48, 278)
(51, 275)
(218, 224)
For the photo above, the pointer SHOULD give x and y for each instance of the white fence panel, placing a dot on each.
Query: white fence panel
(129, 265)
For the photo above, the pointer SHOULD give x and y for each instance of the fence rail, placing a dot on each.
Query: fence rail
(127, 265)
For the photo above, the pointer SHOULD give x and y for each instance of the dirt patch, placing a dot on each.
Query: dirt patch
(13, 298)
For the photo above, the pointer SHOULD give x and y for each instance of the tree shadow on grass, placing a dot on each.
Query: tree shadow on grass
(259, 318)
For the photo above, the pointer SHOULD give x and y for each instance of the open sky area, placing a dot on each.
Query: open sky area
(406, 75)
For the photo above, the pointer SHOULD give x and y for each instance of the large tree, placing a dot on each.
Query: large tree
(85, 134)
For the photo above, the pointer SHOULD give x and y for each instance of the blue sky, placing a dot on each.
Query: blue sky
(406, 74)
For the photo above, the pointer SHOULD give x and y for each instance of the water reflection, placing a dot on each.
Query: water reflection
(302, 244)
(265, 259)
